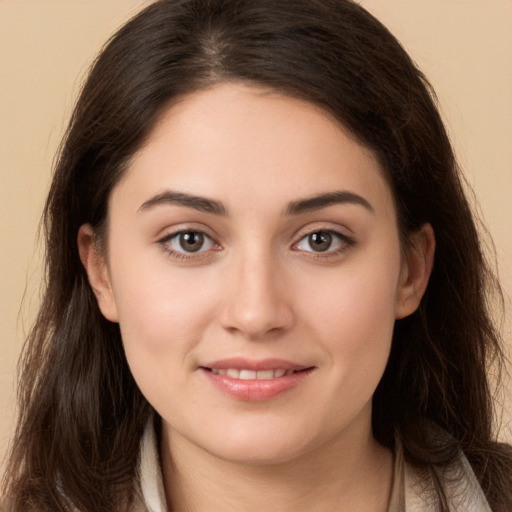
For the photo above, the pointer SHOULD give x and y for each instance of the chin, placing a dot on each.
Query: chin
(261, 446)
(259, 454)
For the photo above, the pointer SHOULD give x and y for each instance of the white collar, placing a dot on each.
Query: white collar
(150, 474)
(410, 490)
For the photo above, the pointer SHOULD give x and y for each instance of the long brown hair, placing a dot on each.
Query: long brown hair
(81, 413)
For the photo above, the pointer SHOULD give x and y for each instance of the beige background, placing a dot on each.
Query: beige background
(464, 46)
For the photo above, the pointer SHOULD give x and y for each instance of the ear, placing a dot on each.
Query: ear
(417, 264)
(97, 271)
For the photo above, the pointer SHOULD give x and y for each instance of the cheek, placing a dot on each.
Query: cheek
(162, 315)
(353, 313)
(354, 299)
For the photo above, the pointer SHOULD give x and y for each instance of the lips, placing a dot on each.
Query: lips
(245, 374)
(255, 380)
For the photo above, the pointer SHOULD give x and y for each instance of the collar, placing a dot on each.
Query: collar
(412, 490)
(150, 474)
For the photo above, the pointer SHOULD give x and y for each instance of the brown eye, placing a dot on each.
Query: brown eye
(323, 241)
(320, 241)
(188, 242)
(191, 241)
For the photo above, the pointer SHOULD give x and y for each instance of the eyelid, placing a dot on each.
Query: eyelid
(207, 241)
(182, 255)
(345, 242)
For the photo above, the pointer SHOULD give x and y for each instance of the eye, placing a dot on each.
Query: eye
(323, 241)
(188, 242)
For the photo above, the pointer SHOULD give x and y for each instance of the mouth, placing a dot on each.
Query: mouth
(246, 374)
(255, 381)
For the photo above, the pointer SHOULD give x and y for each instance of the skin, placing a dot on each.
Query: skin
(258, 288)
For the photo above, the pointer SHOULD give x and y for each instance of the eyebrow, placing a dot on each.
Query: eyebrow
(327, 199)
(204, 204)
(201, 204)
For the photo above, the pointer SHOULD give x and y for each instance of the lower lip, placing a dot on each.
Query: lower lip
(256, 390)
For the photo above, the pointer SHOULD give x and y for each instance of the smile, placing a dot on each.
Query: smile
(245, 374)
(255, 381)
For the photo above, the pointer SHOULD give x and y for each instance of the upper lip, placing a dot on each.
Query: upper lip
(255, 365)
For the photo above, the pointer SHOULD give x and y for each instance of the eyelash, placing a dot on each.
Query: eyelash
(344, 241)
(184, 255)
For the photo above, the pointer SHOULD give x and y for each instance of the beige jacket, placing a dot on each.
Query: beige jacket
(410, 493)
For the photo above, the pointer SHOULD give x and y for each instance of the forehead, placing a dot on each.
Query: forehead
(243, 145)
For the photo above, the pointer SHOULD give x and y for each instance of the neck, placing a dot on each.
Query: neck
(350, 472)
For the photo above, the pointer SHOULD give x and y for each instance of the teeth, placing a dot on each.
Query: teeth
(234, 373)
(247, 374)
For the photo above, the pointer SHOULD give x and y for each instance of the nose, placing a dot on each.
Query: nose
(255, 304)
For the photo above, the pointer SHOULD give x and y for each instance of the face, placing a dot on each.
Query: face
(254, 266)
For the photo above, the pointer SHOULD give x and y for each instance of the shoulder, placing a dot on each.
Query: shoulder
(461, 487)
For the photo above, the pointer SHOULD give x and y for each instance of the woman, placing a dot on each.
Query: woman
(265, 286)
